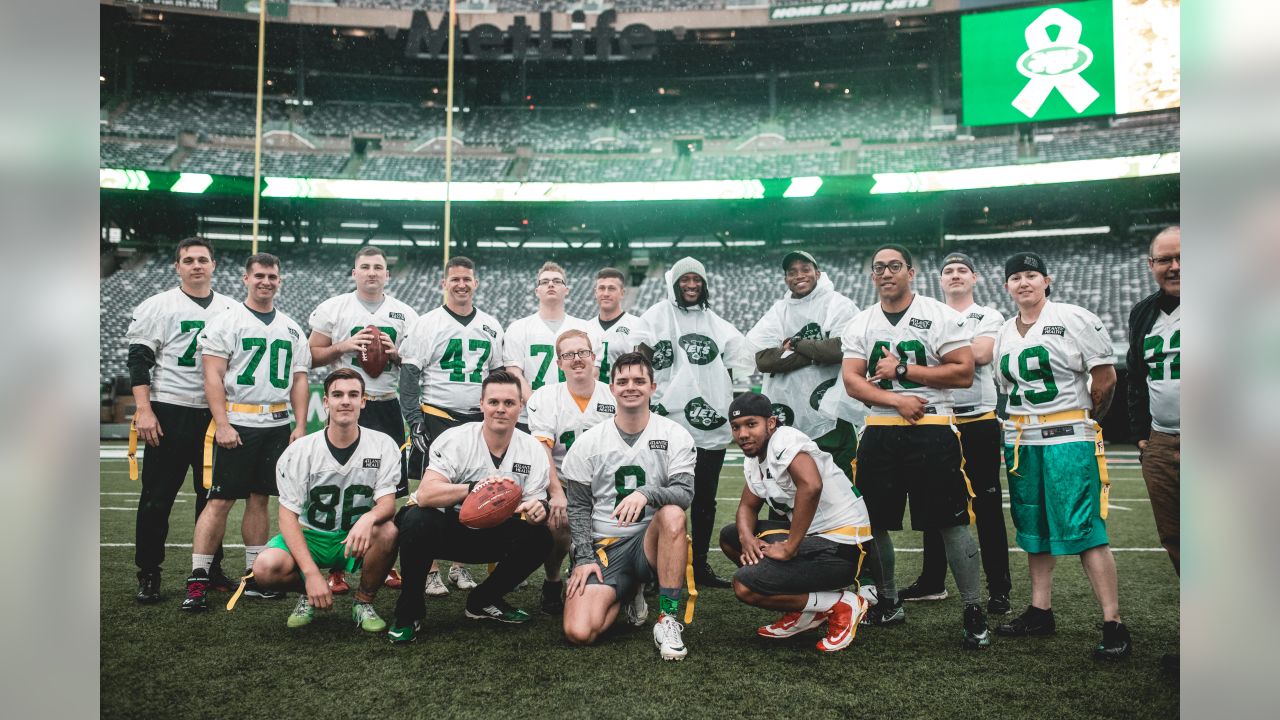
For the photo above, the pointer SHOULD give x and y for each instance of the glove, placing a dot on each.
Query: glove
(418, 436)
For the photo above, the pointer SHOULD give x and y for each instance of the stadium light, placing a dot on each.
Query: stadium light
(1048, 232)
(192, 183)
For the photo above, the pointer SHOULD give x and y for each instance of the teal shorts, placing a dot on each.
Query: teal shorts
(1055, 498)
(326, 549)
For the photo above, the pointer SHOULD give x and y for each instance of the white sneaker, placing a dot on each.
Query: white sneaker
(461, 578)
(637, 609)
(435, 586)
(666, 635)
(869, 593)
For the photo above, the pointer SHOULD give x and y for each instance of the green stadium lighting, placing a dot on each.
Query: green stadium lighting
(1034, 174)
(803, 187)
(123, 179)
(193, 183)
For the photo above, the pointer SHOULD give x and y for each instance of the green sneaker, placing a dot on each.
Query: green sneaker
(403, 634)
(302, 614)
(367, 618)
(500, 611)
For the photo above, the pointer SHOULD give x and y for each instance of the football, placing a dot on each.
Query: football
(490, 504)
(374, 358)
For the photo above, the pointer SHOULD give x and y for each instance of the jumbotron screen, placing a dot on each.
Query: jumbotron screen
(1070, 60)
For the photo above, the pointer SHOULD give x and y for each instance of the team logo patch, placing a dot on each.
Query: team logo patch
(622, 330)
(1054, 330)
(815, 397)
(921, 324)
(293, 333)
(702, 416)
(492, 333)
(280, 415)
(520, 468)
(395, 315)
(700, 349)
(1054, 432)
(812, 331)
(657, 444)
(976, 316)
(663, 356)
(659, 409)
(602, 408)
(372, 463)
(784, 414)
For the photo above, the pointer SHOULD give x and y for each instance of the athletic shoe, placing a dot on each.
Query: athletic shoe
(404, 634)
(553, 597)
(666, 635)
(1116, 642)
(338, 583)
(998, 605)
(148, 587)
(435, 586)
(705, 577)
(197, 588)
(869, 593)
(461, 578)
(976, 634)
(221, 582)
(636, 609)
(252, 590)
(842, 621)
(916, 592)
(393, 580)
(792, 624)
(498, 610)
(1032, 621)
(302, 613)
(886, 614)
(366, 618)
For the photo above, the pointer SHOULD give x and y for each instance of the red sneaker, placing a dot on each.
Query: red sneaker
(842, 623)
(393, 579)
(338, 583)
(792, 624)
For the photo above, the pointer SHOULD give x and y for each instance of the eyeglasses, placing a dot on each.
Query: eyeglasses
(575, 354)
(894, 268)
(1166, 260)
(550, 281)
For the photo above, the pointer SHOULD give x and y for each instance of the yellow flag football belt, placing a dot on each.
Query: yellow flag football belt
(1021, 421)
(949, 421)
(899, 420)
(207, 462)
(603, 557)
(988, 415)
(133, 449)
(432, 410)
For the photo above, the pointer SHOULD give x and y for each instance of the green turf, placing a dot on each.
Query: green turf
(157, 662)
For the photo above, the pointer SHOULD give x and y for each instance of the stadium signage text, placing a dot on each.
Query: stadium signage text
(523, 42)
(864, 7)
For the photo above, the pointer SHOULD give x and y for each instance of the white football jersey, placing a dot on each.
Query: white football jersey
(169, 323)
(1047, 371)
(461, 456)
(927, 331)
(261, 361)
(329, 496)
(602, 459)
(531, 346)
(454, 358)
(342, 316)
(981, 396)
(797, 396)
(554, 416)
(841, 515)
(1162, 353)
(619, 339)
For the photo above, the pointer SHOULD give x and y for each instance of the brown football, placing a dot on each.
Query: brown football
(374, 357)
(490, 504)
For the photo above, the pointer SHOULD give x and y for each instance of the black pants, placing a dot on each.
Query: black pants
(164, 467)
(983, 444)
(384, 416)
(706, 480)
(417, 462)
(428, 534)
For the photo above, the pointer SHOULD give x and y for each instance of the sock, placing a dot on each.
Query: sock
(365, 596)
(962, 556)
(201, 562)
(821, 601)
(888, 587)
(251, 553)
(669, 601)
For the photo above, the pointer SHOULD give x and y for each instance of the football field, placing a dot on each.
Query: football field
(159, 662)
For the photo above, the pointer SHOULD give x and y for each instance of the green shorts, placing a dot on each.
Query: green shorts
(326, 549)
(1055, 498)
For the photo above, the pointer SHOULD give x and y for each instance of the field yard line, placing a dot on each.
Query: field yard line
(896, 549)
(117, 508)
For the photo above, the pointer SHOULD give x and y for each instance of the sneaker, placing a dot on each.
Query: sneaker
(393, 580)
(148, 587)
(302, 613)
(197, 588)
(498, 610)
(1032, 621)
(252, 590)
(553, 597)
(461, 578)
(636, 609)
(886, 614)
(404, 634)
(998, 605)
(976, 634)
(338, 583)
(1116, 642)
(221, 582)
(916, 592)
(435, 586)
(366, 618)
(705, 577)
(666, 635)
(842, 622)
(869, 593)
(792, 624)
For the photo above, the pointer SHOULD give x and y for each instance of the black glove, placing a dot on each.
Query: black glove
(418, 436)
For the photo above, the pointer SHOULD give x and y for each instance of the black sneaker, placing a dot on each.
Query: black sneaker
(1032, 621)
(651, 589)
(976, 634)
(916, 592)
(998, 605)
(705, 577)
(553, 597)
(1116, 642)
(885, 614)
(197, 588)
(498, 610)
(221, 582)
(148, 587)
(252, 590)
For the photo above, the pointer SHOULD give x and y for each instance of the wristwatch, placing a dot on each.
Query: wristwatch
(900, 372)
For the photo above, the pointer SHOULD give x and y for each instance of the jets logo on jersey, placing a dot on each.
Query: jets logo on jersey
(702, 416)
(663, 356)
(395, 315)
(372, 462)
(659, 409)
(784, 414)
(1058, 330)
(815, 397)
(657, 444)
(700, 349)
(812, 331)
(921, 324)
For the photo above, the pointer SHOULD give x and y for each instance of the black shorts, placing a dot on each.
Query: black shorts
(918, 463)
(384, 416)
(251, 467)
(435, 425)
(819, 565)
(624, 566)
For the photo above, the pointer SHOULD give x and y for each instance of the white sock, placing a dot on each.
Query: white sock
(201, 562)
(250, 554)
(821, 601)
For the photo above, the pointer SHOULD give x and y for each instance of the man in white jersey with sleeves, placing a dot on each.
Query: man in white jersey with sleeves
(802, 563)
(629, 481)
(902, 357)
(172, 415)
(340, 333)
(558, 415)
(1057, 364)
(612, 330)
(337, 496)
(255, 370)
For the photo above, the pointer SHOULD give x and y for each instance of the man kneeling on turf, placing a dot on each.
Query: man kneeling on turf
(337, 494)
(802, 565)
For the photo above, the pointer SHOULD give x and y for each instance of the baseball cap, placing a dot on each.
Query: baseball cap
(750, 403)
(958, 257)
(1025, 261)
(798, 255)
